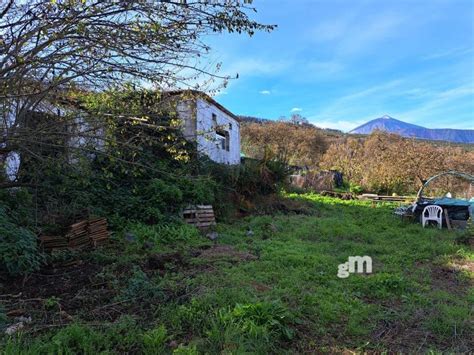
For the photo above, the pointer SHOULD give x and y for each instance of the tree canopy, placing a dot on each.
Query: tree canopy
(52, 48)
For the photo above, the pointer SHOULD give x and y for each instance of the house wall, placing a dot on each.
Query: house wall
(206, 134)
(186, 111)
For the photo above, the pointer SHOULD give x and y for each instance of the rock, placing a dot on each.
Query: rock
(14, 328)
(212, 236)
(23, 319)
(148, 245)
(273, 228)
(129, 237)
(173, 344)
(65, 315)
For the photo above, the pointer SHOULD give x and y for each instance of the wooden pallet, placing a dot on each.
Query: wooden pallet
(200, 216)
(81, 235)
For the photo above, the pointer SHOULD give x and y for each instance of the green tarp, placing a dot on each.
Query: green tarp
(446, 201)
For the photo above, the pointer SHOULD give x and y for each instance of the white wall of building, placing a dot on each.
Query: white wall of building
(206, 134)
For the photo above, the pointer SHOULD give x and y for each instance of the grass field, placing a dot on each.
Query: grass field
(269, 285)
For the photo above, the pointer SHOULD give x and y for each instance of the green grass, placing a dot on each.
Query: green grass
(277, 291)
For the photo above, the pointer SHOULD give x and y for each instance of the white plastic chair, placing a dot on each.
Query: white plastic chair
(435, 213)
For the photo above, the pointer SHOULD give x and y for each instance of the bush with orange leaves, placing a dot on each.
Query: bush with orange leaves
(388, 163)
(295, 144)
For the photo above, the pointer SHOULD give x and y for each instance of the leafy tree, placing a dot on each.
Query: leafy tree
(294, 144)
(50, 48)
(386, 163)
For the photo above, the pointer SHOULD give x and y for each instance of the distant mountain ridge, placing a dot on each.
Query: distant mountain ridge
(392, 125)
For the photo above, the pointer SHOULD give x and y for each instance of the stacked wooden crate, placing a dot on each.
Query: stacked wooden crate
(77, 236)
(201, 216)
(81, 235)
(53, 242)
(98, 232)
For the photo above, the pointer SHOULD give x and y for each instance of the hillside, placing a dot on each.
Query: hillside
(260, 120)
(392, 125)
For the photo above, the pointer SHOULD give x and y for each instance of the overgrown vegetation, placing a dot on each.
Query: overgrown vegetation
(272, 290)
(89, 140)
(388, 163)
(293, 142)
(378, 163)
(18, 247)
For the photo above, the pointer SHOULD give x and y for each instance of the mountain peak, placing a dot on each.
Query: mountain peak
(392, 125)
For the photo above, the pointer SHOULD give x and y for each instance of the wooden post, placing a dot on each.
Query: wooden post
(446, 218)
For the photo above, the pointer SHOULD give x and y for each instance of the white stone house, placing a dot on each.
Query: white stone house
(214, 129)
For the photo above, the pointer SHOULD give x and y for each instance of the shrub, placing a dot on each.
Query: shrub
(154, 340)
(139, 286)
(18, 248)
(260, 317)
(356, 189)
(257, 326)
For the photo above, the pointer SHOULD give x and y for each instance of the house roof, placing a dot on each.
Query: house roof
(202, 95)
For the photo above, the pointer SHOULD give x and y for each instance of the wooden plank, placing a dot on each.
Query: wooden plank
(201, 216)
(191, 220)
(198, 215)
(206, 224)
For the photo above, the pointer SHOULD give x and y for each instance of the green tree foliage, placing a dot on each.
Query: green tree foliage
(50, 48)
(18, 247)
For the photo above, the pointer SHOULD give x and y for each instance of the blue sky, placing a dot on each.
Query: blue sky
(342, 63)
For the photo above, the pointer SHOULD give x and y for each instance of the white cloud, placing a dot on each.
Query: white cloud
(372, 102)
(443, 103)
(342, 125)
(459, 51)
(351, 35)
(265, 92)
(296, 109)
(350, 104)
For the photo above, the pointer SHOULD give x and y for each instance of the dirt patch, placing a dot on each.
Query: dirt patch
(462, 265)
(57, 280)
(408, 335)
(54, 294)
(448, 278)
(259, 287)
(166, 261)
(404, 336)
(227, 253)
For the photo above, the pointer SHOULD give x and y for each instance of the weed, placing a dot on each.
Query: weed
(51, 302)
(139, 286)
(154, 340)
(258, 326)
(18, 247)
